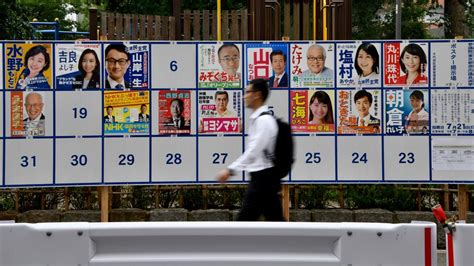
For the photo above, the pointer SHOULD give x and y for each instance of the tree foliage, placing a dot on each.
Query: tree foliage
(21, 12)
(16, 26)
(377, 19)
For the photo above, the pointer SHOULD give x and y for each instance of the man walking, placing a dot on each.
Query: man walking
(262, 193)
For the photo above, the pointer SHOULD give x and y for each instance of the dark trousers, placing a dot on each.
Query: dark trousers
(262, 197)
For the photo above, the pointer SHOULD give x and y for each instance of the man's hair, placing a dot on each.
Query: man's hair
(120, 47)
(34, 93)
(227, 45)
(260, 85)
(143, 105)
(361, 94)
(277, 52)
(180, 102)
(221, 93)
(110, 106)
(317, 46)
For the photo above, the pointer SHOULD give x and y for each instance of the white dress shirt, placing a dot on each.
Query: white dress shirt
(260, 147)
(114, 83)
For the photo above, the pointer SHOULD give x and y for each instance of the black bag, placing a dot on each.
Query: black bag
(283, 155)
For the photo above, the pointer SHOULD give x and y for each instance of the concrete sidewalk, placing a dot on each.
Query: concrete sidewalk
(441, 257)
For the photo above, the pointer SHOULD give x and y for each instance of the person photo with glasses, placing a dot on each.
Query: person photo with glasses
(278, 61)
(229, 60)
(317, 73)
(117, 60)
(34, 124)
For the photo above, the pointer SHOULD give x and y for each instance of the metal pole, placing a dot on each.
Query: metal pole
(398, 19)
(314, 20)
(56, 30)
(325, 25)
(219, 37)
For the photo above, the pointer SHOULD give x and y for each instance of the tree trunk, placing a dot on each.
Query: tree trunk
(455, 13)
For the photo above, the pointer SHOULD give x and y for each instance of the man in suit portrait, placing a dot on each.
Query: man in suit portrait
(278, 61)
(363, 100)
(317, 72)
(177, 121)
(109, 118)
(143, 116)
(35, 122)
(117, 60)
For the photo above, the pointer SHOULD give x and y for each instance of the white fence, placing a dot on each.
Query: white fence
(459, 246)
(217, 243)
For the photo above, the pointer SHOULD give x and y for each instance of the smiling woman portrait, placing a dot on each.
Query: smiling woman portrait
(36, 61)
(413, 63)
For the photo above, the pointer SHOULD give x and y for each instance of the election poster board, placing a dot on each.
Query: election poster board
(152, 112)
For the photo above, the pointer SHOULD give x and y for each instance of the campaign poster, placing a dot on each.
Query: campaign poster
(126, 65)
(407, 112)
(268, 61)
(126, 112)
(452, 111)
(359, 111)
(452, 64)
(27, 114)
(358, 64)
(220, 111)
(406, 64)
(312, 111)
(312, 65)
(28, 66)
(174, 112)
(220, 65)
(78, 66)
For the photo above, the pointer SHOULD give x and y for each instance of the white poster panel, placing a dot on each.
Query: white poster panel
(155, 109)
(452, 64)
(315, 158)
(452, 158)
(359, 158)
(78, 160)
(277, 102)
(406, 158)
(29, 113)
(358, 64)
(215, 154)
(29, 162)
(452, 111)
(173, 65)
(312, 65)
(126, 160)
(174, 159)
(78, 113)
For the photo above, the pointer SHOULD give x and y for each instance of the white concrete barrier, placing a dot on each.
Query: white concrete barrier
(218, 243)
(460, 246)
